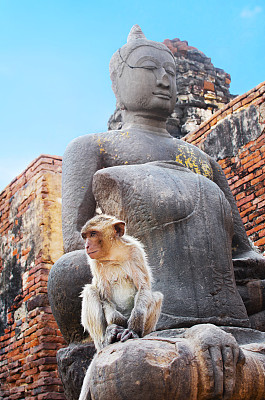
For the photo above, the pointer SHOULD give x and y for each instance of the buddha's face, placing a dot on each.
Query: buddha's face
(150, 86)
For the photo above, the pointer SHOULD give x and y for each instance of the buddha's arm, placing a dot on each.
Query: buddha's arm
(240, 240)
(80, 161)
(248, 263)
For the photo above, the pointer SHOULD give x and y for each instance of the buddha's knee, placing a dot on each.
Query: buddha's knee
(66, 279)
(150, 368)
(167, 368)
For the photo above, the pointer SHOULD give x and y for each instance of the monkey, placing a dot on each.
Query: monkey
(119, 303)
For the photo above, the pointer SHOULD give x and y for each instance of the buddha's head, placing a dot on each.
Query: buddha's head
(143, 74)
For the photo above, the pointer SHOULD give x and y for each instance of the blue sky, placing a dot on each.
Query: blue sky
(54, 58)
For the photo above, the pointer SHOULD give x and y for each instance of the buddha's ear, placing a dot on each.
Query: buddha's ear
(115, 88)
(119, 228)
(120, 105)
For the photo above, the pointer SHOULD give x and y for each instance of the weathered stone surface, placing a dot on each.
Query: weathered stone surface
(41, 300)
(166, 365)
(73, 362)
(232, 133)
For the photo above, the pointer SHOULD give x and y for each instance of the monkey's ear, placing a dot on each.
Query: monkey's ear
(119, 228)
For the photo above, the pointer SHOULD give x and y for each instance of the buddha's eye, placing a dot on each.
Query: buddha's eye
(151, 67)
(170, 71)
(148, 65)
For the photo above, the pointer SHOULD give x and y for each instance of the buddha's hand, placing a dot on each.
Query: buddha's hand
(218, 353)
(249, 265)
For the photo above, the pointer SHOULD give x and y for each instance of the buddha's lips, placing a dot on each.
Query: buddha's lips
(163, 95)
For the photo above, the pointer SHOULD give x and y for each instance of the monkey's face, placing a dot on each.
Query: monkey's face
(101, 238)
(95, 245)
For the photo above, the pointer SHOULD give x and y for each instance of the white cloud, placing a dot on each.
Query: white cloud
(250, 13)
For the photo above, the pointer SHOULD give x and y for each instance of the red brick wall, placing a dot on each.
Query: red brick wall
(245, 170)
(31, 241)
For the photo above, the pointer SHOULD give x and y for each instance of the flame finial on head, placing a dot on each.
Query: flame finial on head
(135, 33)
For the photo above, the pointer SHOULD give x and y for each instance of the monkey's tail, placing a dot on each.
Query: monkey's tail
(85, 390)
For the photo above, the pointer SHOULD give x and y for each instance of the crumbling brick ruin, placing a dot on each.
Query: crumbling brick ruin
(202, 89)
(30, 219)
(31, 241)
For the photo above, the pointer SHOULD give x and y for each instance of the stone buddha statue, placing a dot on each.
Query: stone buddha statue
(176, 200)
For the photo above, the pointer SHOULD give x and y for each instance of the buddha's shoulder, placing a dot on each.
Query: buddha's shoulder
(90, 140)
(189, 149)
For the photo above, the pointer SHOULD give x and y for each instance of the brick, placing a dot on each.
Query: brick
(237, 106)
(240, 196)
(42, 278)
(261, 204)
(246, 212)
(260, 242)
(261, 138)
(244, 180)
(30, 372)
(213, 121)
(46, 361)
(262, 233)
(248, 99)
(51, 396)
(259, 199)
(245, 199)
(247, 206)
(244, 220)
(48, 367)
(233, 179)
(247, 160)
(255, 181)
(261, 191)
(227, 170)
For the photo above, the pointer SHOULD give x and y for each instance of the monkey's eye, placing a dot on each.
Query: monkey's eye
(92, 233)
(83, 236)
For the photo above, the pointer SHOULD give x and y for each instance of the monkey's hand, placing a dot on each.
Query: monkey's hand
(220, 354)
(127, 334)
(113, 334)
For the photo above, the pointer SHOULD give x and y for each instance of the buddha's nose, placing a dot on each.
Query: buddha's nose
(162, 78)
